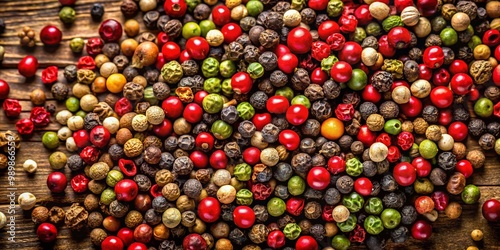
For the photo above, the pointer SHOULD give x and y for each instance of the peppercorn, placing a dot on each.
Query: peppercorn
(487, 141)
(97, 236)
(76, 217)
(476, 158)
(26, 36)
(394, 200)
(40, 214)
(97, 10)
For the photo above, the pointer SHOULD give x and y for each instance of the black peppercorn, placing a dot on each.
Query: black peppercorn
(75, 163)
(308, 15)
(281, 191)
(258, 100)
(261, 214)
(411, 70)
(388, 183)
(430, 114)
(229, 114)
(307, 145)
(493, 128)
(301, 163)
(376, 188)
(369, 168)
(143, 182)
(234, 51)
(280, 122)
(389, 110)
(375, 243)
(321, 110)
(449, 55)
(313, 194)
(152, 218)
(331, 89)
(460, 114)
(270, 133)
(344, 184)
(60, 90)
(330, 149)
(251, 53)
(237, 236)
(173, 28)
(370, 42)
(278, 78)
(382, 167)
(159, 204)
(268, 60)
(332, 196)
(283, 171)
(97, 10)
(487, 141)
(321, 18)
(476, 127)
(300, 79)
(465, 53)
(314, 92)
(400, 234)
(447, 161)
(382, 81)
(394, 200)
(433, 40)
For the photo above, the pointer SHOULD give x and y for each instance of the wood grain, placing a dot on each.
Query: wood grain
(448, 234)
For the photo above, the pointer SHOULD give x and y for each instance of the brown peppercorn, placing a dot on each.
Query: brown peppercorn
(375, 122)
(389, 109)
(40, 214)
(38, 97)
(76, 217)
(91, 202)
(161, 232)
(97, 236)
(133, 147)
(481, 71)
(492, 93)
(171, 191)
(456, 184)
(56, 215)
(487, 141)
(476, 158)
(184, 203)
(96, 187)
(129, 8)
(123, 135)
(453, 210)
(224, 244)
(312, 210)
(220, 230)
(95, 220)
(142, 203)
(258, 233)
(133, 219)
(420, 126)
(433, 133)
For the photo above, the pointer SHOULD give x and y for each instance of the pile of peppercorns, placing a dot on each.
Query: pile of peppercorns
(269, 124)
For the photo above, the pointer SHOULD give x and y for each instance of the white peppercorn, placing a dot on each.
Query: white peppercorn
(378, 152)
(112, 124)
(64, 133)
(446, 142)
(63, 116)
(221, 177)
(30, 166)
(71, 144)
(75, 123)
(26, 201)
(3, 220)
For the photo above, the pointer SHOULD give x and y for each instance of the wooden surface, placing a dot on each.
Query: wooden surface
(448, 234)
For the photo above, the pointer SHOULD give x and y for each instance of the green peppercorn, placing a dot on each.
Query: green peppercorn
(242, 172)
(244, 197)
(349, 224)
(76, 45)
(354, 167)
(428, 149)
(292, 231)
(358, 80)
(107, 196)
(474, 41)
(226, 87)
(423, 186)
(390, 218)
(374, 206)
(221, 129)
(341, 242)
(471, 194)
(449, 36)
(213, 103)
(50, 140)
(57, 160)
(276, 207)
(353, 201)
(210, 67)
(212, 85)
(393, 127)
(192, 4)
(286, 92)
(73, 104)
(113, 177)
(255, 70)
(301, 100)
(359, 34)
(254, 8)
(373, 29)
(391, 22)
(172, 72)
(334, 8)
(296, 185)
(373, 225)
(67, 15)
(206, 26)
(227, 68)
(394, 66)
(98, 171)
(327, 63)
(245, 110)
(149, 96)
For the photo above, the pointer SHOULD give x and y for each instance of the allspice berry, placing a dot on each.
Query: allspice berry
(97, 236)
(38, 97)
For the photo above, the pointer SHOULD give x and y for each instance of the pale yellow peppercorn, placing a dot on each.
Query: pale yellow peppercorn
(232, 3)
(133, 147)
(476, 235)
(140, 123)
(26, 201)
(155, 115)
(75, 123)
(30, 166)
(226, 194)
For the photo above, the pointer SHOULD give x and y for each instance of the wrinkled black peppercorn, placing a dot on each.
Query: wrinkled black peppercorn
(97, 11)
(476, 127)
(447, 161)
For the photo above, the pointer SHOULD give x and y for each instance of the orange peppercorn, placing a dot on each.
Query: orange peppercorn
(115, 83)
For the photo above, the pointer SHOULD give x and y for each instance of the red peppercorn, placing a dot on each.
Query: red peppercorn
(251, 155)
(4, 89)
(40, 116)
(277, 104)
(491, 37)
(440, 199)
(204, 141)
(336, 41)
(421, 230)
(199, 96)
(318, 76)
(261, 119)
(384, 138)
(295, 205)
(336, 165)
(50, 35)
(25, 126)
(318, 178)
(199, 159)
(231, 32)
(404, 174)
(49, 75)
(197, 48)
(94, 46)
(46, 232)
(209, 209)
(385, 48)
(299, 40)
(193, 113)
(458, 130)
(461, 83)
(11, 107)
(241, 83)
(327, 213)
(422, 166)
(86, 62)
(344, 112)
(143, 233)
(90, 155)
(155, 191)
(412, 108)
(126, 235)
(261, 191)
(441, 77)
(110, 30)
(350, 53)
(433, 57)
(363, 15)
(243, 217)
(399, 37)
(366, 136)
(218, 159)
(405, 140)
(327, 28)
(163, 129)
(393, 154)
(112, 243)
(358, 234)
(171, 51)
(194, 242)
(290, 139)
(126, 190)
(348, 23)
(371, 94)
(27, 66)
(67, 2)
(363, 186)
(276, 239)
(81, 138)
(123, 106)
(424, 204)
(56, 182)
(99, 136)
(127, 167)
(465, 167)
(320, 50)
(306, 242)
(79, 183)
(137, 246)
(173, 107)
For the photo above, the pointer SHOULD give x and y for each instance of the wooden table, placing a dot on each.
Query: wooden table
(448, 234)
